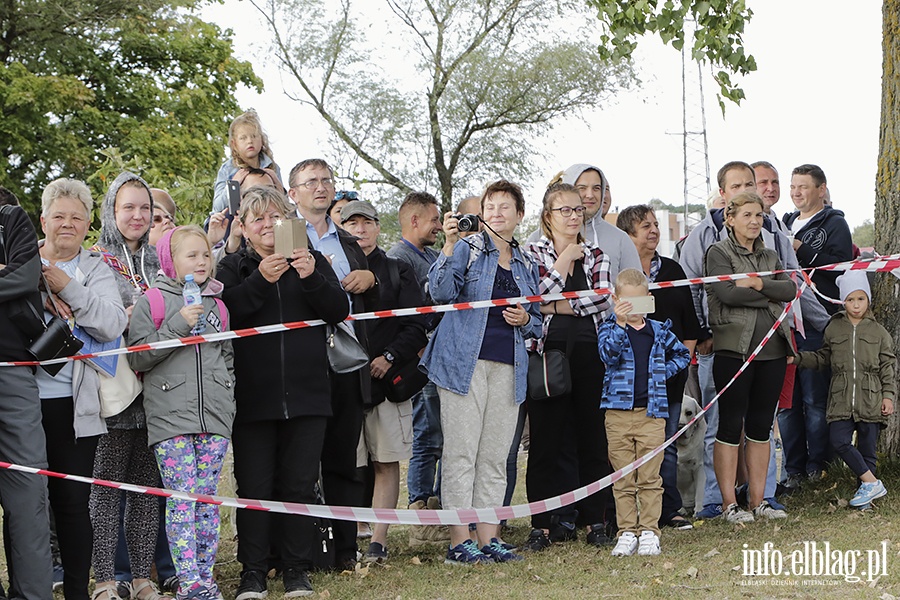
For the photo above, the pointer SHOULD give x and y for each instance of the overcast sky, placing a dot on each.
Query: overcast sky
(815, 98)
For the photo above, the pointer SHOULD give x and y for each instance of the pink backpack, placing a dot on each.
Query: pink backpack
(158, 308)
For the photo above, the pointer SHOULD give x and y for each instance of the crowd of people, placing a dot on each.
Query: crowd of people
(451, 395)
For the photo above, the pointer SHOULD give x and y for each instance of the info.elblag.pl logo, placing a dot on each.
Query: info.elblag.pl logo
(817, 561)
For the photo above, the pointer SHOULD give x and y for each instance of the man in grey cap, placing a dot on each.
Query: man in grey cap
(393, 343)
(591, 184)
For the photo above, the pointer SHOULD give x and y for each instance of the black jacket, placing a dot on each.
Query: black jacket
(403, 337)
(675, 304)
(281, 375)
(19, 279)
(826, 239)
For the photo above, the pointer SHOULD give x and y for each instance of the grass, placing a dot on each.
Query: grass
(703, 563)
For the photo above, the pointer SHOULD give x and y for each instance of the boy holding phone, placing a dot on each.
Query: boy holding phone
(640, 354)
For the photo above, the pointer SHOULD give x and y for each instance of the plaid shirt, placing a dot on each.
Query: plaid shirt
(596, 270)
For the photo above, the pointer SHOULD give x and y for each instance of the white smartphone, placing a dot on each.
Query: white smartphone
(641, 305)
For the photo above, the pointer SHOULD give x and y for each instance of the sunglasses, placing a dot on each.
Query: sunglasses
(346, 195)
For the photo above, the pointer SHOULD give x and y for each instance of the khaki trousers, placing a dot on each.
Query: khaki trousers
(638, 495)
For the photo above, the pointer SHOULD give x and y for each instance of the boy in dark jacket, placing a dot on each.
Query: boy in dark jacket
(860, 353)
(639, 354)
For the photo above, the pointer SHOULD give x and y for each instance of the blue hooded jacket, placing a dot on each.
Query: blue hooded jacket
(668, 357)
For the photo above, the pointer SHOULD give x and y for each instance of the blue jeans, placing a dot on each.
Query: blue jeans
(804, 431)
(165, 568)
(668, 470)
(711, 493)
(428, 442)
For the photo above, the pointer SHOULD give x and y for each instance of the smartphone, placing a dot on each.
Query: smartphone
(290, 234)
(234, 197)
(641, 305)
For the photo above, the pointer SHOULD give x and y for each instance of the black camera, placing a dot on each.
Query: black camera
(466, 222)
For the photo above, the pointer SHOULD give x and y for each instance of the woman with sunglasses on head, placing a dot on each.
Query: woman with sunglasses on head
(162, 222)
(567, 447)
(341, 199)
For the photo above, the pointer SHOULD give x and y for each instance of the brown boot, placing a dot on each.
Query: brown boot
(428, 534)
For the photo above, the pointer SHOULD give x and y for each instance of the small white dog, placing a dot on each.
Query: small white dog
(691, 476)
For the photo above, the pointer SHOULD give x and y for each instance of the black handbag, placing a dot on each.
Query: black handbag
(57, 340)
(548, 375)
(402, 382)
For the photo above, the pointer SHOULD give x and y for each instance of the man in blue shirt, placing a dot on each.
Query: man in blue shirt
(312, 188)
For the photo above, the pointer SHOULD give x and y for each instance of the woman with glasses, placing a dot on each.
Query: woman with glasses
(567, 447)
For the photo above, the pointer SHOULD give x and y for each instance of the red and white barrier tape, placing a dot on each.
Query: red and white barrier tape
(880, 264)
(416, 517)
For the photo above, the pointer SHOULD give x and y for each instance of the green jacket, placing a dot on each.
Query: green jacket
(733, 309)
(861, 358)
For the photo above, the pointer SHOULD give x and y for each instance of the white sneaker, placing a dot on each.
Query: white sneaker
(649, 544)
(765, 510)
(626, 545)
(736, 514)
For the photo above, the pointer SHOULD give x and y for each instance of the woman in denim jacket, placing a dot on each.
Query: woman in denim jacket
(478, 361)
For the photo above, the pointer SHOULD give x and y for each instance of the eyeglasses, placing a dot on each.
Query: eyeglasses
(566, 211)
(314, 183)
(160, 218)
(346, 195)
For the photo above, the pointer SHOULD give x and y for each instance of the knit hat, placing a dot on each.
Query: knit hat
(852, 281)
(164, 251)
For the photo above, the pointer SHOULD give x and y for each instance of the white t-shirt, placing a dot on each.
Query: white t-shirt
(799, 223)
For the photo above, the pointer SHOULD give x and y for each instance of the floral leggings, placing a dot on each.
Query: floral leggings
(191, 463)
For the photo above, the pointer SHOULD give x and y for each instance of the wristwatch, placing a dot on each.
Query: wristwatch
(388, 356)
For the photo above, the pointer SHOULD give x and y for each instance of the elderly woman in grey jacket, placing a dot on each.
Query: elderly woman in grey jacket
(84, 293)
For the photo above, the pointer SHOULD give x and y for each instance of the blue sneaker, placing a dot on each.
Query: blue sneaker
(497, 551)
(868, 492)
(775, 503)
(466, 553)
(709, 511)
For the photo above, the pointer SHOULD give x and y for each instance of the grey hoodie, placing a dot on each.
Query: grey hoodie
(133, 273)
(141, 266)
(615, 243)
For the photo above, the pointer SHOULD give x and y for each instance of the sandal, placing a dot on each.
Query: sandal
(152, 594)
(107, 592)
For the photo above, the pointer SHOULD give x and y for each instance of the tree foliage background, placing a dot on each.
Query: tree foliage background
(492, 76)
(90, 86)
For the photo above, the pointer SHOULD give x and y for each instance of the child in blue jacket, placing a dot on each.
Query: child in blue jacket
(639, 354)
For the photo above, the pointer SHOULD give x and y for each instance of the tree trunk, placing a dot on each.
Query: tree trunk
(887, 197)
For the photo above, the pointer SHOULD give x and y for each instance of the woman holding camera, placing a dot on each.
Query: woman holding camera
(568, 447)
(478, 361)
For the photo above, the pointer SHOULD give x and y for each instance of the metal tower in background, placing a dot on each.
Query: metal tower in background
(693, 135)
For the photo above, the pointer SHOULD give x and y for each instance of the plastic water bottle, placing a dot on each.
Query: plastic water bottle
(192, 296)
